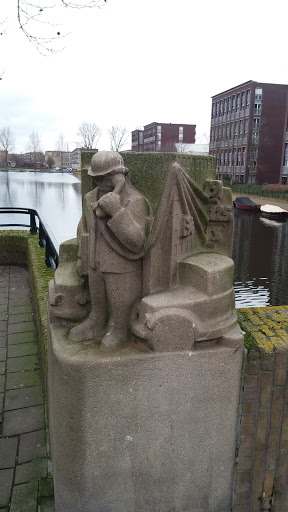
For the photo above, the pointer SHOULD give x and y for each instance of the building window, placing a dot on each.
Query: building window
(233, 102)
(231, 130)
(220, 108)
(225, 106)
(236, 129)
(257, 109)
(238, 101)
(243, 100)
(226, 157)
(217, 108)
(258, 94)
(229, 104)
(256, 124)
(227, 130)
(213, 110)
(180, 133)
(254, 156)
(246, 126)
(248, 98)
(241, 127)
(243, 156)
(239, 156)
(286, 155)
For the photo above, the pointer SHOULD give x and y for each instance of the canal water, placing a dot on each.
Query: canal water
(260, 247)
(55, 196)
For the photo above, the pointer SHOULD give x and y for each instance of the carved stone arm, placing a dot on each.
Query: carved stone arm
(129, 225)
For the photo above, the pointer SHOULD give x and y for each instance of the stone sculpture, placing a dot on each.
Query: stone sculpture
(144, 350)
(114, 227)
(142, 269)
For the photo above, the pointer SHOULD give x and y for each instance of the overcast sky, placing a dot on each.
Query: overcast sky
(133, 62)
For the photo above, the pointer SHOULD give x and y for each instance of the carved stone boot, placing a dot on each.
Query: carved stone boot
(87, 330)
(114, 338)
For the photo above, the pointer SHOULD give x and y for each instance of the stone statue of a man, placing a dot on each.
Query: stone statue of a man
(114, 224)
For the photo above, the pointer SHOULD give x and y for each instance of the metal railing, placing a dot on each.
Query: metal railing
(51, 254)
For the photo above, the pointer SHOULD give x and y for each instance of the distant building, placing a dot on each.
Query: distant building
(249, 133)
(61, 158)
(162, 136)
(75, 157)
(32, 159)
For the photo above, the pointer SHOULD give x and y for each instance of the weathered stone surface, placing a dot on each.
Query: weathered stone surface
(138, 427)
(8, 450)
(23, 379)
(6, 480)
(24, 497)
(32, 446)
(23, 337)
(24, 397)
(31, 471)
(18, 364)
(22, 349)
(23, 420)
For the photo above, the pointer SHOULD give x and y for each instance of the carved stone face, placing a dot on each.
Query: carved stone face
(109, 182)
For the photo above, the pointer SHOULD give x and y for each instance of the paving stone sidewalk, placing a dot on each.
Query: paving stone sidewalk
(26, 484)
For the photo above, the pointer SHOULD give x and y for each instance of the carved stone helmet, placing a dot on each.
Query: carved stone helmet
(105, 162)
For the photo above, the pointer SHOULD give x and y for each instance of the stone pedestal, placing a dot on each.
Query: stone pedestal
(137, 431)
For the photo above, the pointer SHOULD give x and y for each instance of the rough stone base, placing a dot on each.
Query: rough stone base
(142, 432)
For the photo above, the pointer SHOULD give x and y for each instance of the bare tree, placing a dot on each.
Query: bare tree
(118, 137)
(34, 143)
(7, 141)
(61, 144)
(50, 161)
(181, 147)
(34, 147)
(90, 134)
(42, 31)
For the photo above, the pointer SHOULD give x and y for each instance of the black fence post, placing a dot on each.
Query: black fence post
(33, 226)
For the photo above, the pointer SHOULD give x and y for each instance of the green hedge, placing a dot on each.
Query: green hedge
(21, 248)
(256, 190)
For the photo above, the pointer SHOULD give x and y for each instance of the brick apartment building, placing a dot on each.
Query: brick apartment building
(162, 136)
(249, 133)
(61, 158)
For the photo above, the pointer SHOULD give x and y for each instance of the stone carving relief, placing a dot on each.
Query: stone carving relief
(162, 278)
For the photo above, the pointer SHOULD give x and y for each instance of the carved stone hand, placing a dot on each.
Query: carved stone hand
(109, 203)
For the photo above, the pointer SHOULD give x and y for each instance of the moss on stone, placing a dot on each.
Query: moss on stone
(22, 248)
(46, 487)
(266, 328)
(148, 171)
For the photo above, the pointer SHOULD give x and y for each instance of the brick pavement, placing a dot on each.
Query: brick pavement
(26, 483)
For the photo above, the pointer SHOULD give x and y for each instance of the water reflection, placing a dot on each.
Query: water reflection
(260, 253)
(56, 197)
